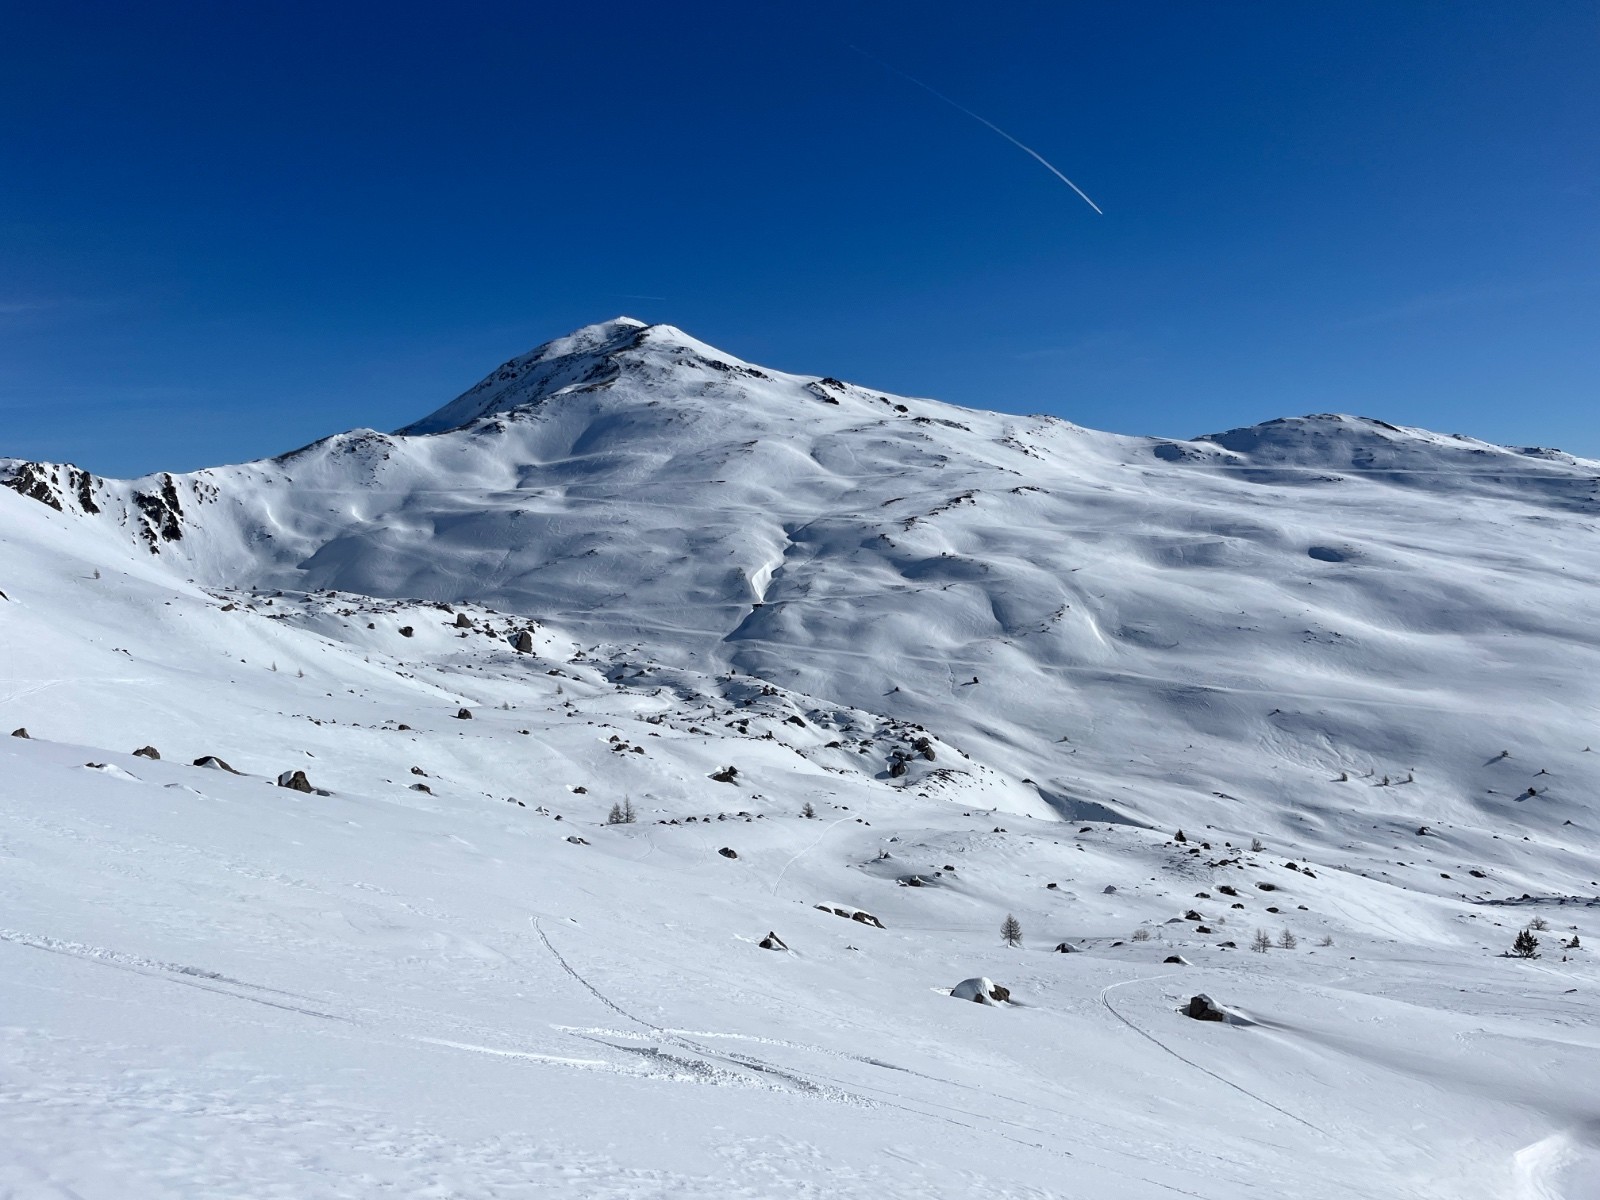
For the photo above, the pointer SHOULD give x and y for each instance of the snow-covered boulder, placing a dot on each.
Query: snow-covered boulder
(981, 991)
(851, 914)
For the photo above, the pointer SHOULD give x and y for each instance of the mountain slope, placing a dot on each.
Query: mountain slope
(1135, 625)
(216, 986)
(636, 562)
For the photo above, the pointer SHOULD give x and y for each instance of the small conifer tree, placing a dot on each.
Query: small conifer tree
(1011, 930)
(1526, 945)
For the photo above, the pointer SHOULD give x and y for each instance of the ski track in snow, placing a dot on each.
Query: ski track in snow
(1105, 999)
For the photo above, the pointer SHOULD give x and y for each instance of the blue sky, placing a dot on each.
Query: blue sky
(226, 230)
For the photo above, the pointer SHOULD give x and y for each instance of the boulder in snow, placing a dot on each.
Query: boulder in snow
(981, 991)
(296, 781)
(21, 733)
(214, 763)
(147, 752)
(1203, 1008)
(772, 942)
(851, 914)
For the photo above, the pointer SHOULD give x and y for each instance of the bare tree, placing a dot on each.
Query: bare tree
(1011, 930)
(1262, 942)
(1287, 939)
(622, 814)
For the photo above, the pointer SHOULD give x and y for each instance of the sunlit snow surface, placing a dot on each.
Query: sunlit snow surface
(212, 986)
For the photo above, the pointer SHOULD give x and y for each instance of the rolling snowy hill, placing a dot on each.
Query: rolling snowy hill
(1003, 659)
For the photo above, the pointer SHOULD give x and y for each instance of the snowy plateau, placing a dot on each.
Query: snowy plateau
(873, 673)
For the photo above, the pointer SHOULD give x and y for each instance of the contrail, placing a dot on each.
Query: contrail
(960, 108)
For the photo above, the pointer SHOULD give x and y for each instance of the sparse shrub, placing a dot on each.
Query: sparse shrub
(1141, 935)
(1256, 846)
(1539, 923)
(1011, 930)
(1526, 945)
(808, 812)
(1287, 939)
(1327, 940)
(1262, 942)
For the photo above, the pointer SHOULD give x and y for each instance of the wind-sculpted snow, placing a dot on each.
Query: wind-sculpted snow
(894, 658)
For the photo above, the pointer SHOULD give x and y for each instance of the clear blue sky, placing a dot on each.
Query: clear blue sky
(228, 229)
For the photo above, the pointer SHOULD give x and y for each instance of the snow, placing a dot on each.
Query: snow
(992, 653)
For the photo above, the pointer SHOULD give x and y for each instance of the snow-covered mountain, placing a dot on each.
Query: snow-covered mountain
(1132, 624)
(637, 561)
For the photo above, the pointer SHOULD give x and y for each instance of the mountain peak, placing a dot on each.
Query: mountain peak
(585, 358)
(1342, 442)
(563, 362)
